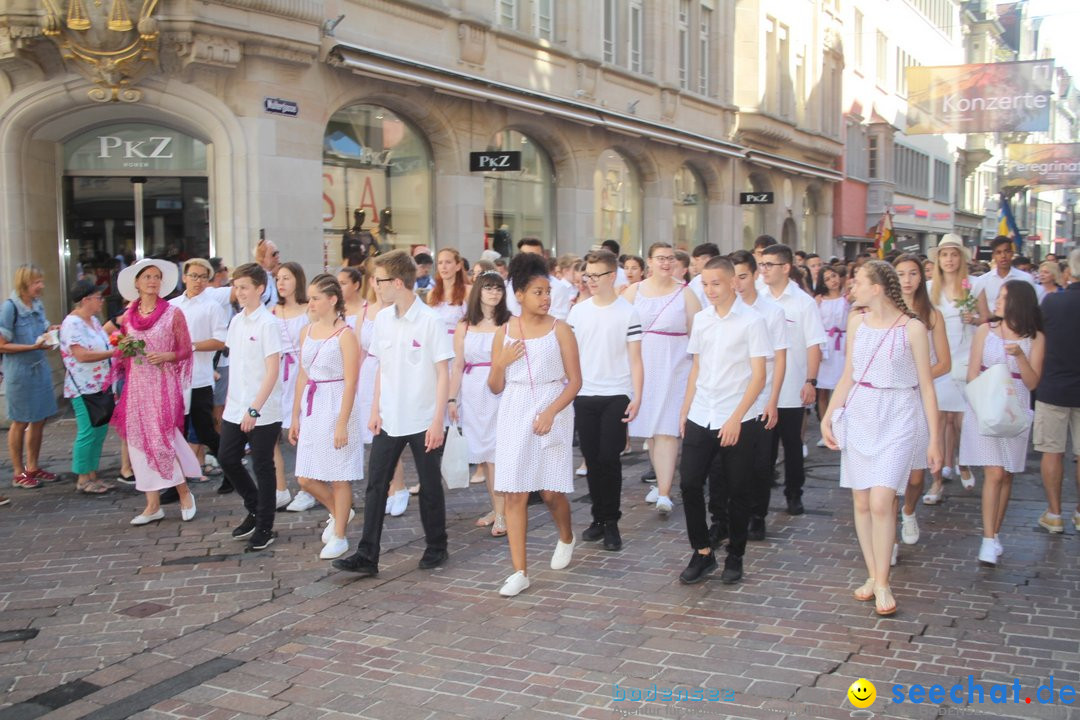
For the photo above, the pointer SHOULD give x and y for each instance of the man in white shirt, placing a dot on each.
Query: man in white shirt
(987, 286)
(409, 404)
(699, 256)
(608, 332)
(252, 407)
(561, 292)
(720, 418)
(207, 327)
(806, 333)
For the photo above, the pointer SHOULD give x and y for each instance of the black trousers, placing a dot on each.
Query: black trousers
(602, 438)
(789, 432)
(201, 418)
(764, 462)
(385, 452)
(259, 495)
(700, 450)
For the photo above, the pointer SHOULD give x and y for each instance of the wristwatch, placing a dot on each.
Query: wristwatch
(253, 412)
(812, 381)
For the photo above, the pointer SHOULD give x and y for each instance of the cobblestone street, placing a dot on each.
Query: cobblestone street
(102, 620)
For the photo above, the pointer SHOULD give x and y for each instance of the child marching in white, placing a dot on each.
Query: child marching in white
(1013, 337)
(886, 374)
(471, 401)
(608, 331)
(534, 364)
(322, 409)
(291, 312)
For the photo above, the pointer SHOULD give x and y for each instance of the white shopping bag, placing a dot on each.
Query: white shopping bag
(997, 406)
(455, 459)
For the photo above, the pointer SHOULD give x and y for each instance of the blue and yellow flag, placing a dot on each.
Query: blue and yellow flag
(1007, 223)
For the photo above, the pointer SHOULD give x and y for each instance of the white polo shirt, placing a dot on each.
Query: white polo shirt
(407, 348)
(699, 289)
(561, 297)
(251, 339)
(991, 284)
(206, 321)
(776, 324)
(724, 346)
(804, 330)
(602, 334)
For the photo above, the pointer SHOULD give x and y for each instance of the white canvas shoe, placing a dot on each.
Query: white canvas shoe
(302, 501)
(654, 493)
(664, 505)
(334, 549)
(909, 528)
(564, 553)
(284, 498)
(399, 503)
(188, 514)
(141, 519)
(514, 584)
(328, 531)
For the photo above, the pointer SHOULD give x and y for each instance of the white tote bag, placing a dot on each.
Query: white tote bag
(997, 405)
(455, 459)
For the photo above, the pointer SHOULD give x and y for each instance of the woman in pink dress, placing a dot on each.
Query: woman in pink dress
(150, 412)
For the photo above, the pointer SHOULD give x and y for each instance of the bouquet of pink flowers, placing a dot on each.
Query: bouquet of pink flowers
(128, 346)
(966, 302)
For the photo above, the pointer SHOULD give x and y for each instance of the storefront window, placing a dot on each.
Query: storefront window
(376, 162)
(690, 230)
(617, 203)
(518, 204)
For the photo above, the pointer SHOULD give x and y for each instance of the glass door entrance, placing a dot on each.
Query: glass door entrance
(110, 222)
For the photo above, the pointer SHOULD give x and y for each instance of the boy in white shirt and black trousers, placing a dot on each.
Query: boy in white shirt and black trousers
(608, 332)
(252, 406)
(721, 417)
(409, 404)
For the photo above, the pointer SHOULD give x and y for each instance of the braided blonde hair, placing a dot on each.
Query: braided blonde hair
(882, 273)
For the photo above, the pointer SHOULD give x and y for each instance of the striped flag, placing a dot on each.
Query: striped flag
(884, 238)
(1007, 223)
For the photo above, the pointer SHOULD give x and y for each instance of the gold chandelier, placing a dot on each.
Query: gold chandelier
(106, 47)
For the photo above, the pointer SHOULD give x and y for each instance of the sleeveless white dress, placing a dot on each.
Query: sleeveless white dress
(451, 315)
(290, 363)
(666, 362)
(320, 405)
(950, 393)
(834, 316)
(980, 450)
(478, 407)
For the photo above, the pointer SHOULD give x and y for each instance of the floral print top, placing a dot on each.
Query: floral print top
(88, 377)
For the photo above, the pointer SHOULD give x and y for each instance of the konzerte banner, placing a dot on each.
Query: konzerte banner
(1043, 165)
(993, 97)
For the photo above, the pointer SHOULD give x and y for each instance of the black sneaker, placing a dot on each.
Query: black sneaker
(169, 496)
(225, 487)
(358, 564)
(700, 566)
(260, 540)
(433, 559)
(244, 530)
(126, 480)
(612, 538)
(594, 532)
(795, 506)
(732, 570)
(756, 529)
(718, 533)
(649, 477)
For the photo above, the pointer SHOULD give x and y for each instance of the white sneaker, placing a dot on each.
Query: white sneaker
(821, 442)
(654, 493)
(564, 552)
(988, 552)
(334, 549)
(997, 546)
(399, 502)
(284, 498)
(895, 555)
(188, 514)
(582, 471)
(909, 528)
(328, 531)
(946, 472)
(805, 450)
(663, 505)
(141, 519)
(514, 584)
(302, 501)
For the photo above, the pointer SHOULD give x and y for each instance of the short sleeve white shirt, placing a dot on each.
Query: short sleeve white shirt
(776, 324)
(991, 284)
(724, 346)
(699, 289)
(804, 330)
(562, 294)
(602, 333)
(252, 338)
(408, 347)
(206, 321)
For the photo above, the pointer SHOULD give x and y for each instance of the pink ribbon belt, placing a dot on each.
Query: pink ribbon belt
(838, 334)
(290, 359)
(311, 387)
(1016, 376)
(449, 332)
(665, 334)
(470, 366)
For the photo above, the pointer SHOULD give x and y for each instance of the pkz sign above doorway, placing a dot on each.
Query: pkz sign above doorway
(495, 161)
(756, 198)
(277, 106)
(134, 147)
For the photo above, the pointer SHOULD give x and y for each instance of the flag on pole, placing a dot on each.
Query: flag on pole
(1007, 223)
(884, 238)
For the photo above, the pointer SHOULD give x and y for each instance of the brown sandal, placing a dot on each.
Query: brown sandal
(865, 592)
(884, 594)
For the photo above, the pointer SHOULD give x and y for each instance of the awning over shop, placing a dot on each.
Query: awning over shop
(795, 166)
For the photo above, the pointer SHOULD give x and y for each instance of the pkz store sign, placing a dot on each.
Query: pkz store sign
(277, 106)
(756, 198)
(135, 147)
(499, 161)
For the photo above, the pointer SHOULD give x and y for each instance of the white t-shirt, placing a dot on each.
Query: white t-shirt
(206, 321)
(252, 338)
(991, 284)
(222, 296)
(724, 346)
(602, 333)
(699, 290)
(804, 330)
(408, 347)
(776, 324)
(561, 296)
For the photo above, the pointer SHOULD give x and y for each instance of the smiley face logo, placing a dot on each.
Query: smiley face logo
(862, 693)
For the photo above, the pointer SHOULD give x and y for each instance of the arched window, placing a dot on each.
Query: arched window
(809, 221)
(518, 203)
(689, 216)
(617, 203)
(378, 163)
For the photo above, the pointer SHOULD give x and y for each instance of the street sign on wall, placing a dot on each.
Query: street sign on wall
(756, 198)
(495, 161)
